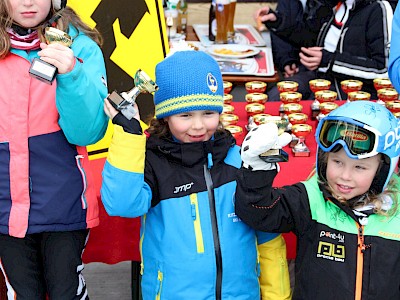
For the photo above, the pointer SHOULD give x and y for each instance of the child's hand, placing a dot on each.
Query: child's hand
(59, 56)
(311, 57)
(264, 14)
(110, 111)
(257, 141)
(290, 70)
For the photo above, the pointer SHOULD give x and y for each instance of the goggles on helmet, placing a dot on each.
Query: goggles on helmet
(358, 140)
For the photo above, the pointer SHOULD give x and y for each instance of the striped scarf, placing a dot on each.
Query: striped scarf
(29, 41)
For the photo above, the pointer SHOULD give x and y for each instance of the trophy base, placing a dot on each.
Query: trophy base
(301, 153)
(274, 156)
(117, 101)
(43, 71)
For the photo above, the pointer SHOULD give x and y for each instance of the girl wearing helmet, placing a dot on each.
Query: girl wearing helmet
(345, 216)
(47, 198)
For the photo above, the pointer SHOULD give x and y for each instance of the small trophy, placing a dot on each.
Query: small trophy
(296, 118)
(43, 70)
(387, 94)
(351, 85)
(301, 131)
(317, 85)
(124, 102)
(276, 155)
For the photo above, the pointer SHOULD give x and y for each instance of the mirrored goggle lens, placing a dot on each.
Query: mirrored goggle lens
(358, 140)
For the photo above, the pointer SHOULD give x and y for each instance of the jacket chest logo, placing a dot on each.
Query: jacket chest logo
(183, 188)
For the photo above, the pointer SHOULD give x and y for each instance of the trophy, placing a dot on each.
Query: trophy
(287, 98)
(315, 86)
(326, 108)
(235, 130)
(358, 95)
(256, 120)
(301, 131)
(351, 85)
(256, 98)
(228, 119)
(125, 101)
(276, 155)
(296, 118)
(228, 108)
(287, 86)
(382, 83)
(323, 97)
(228, 98)
(255, 86)
(387, 94)
(227, 87)
(42, 70)
(254, 108)
(393, 106)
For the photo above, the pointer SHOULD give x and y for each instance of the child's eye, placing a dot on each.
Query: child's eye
(210, 113)
(184, 115)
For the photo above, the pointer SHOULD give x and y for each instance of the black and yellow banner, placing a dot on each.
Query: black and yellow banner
(134, 38)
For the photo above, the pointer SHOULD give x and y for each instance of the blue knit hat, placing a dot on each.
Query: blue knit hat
(187, 81)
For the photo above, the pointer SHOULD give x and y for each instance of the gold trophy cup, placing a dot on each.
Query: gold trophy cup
(227, 87)
(288, 97)
(256, 98)
(358, 95)
(301, 131)
(351, 85)
(125, 101)
(42, 70)
(296, 118)
(387, 94)
(228, 98)
(317, 85)
(326, 108)
(255, 86)
(276, 155)
(382, 83)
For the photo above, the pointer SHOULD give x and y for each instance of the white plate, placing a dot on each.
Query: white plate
(233, 51)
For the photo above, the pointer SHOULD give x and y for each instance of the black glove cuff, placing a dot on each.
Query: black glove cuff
(129, 126)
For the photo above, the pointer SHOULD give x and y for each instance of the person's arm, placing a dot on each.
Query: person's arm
(284, 53)
(80, 94)
(274, 273)
(371, 62)
(258, 204)
(124, 191)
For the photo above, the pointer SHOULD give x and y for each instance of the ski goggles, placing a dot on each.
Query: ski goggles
(358, 140)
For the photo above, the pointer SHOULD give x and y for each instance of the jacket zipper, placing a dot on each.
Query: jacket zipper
(214, 226)
(360, 261)
(196, 223)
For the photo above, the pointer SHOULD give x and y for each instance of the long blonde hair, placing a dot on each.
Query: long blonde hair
(377, 200)
(68, 17)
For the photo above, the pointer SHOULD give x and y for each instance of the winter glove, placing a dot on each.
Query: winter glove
(259, 140)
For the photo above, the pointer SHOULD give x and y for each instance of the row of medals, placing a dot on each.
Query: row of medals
(291, 118)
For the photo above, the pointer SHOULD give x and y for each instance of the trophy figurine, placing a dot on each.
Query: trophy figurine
(276, 155)
(301, 131)
(125, 101)
(43, 70)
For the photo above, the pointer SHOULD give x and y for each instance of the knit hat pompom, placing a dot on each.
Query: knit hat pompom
(188, 81)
